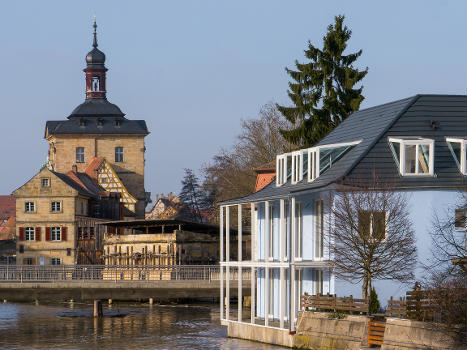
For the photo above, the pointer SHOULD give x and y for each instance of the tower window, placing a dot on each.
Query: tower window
(79, 154)
(95, 84)
(118, 154)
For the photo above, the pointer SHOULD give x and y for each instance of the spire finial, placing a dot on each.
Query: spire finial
(94, 44)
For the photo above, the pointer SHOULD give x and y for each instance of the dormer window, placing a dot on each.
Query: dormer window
(82, 122)
(281, 169)
(413, 155)
(458, 150)
(95, 84)
(311, 161)
(100, 122)
(297, 166)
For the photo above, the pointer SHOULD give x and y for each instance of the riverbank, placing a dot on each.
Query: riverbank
(124, 326)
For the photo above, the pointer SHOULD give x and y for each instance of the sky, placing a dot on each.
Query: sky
(194, 69)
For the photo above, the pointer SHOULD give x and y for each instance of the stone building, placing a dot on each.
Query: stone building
(97, 135)
(166, 242)
(169, 207)
(59, 216)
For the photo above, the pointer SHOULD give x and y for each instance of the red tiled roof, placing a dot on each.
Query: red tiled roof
(7, 206)
(91, 170)
(264, 179)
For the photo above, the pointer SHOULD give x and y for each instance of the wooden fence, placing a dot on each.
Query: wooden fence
(426, 305)
(329, 302)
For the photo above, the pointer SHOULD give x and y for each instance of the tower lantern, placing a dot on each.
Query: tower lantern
(95, 71)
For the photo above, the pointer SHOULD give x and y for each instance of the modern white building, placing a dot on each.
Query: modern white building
(418, 144)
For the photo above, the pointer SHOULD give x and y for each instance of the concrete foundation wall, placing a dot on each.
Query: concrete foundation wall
(317, 331)
(259, 333)
(414, 335)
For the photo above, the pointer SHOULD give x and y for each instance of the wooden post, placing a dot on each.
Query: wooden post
(98, 308)
(266, 294)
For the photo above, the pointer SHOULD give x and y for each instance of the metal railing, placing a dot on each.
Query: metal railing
(116, 273)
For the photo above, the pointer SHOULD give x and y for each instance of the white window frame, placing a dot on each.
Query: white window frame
(461, 163)
(271, 294)
(314, 157)
(29, 234)
(318, 281)
(53, 233)
(298, 253)
(29, 207)
(411, 141)
(281, 169)
(53, 206)
(271, 232)
(297, 167)
(319, 229)
(313, 163)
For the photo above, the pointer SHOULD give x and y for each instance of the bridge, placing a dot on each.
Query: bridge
(116, 282)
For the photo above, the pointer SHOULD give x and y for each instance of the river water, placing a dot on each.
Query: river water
(124, 326)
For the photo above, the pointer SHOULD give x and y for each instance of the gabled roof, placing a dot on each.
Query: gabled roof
(7, 207)
(368, 125)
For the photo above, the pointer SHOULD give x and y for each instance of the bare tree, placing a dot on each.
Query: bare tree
(371, 235)
(448, 239)
(231, 172)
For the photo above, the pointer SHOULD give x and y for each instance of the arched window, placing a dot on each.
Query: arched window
(95, 86)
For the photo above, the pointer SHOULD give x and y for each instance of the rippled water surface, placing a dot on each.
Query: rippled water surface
(124, 326)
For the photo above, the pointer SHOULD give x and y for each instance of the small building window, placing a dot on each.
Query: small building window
(460, 219)
(45, 182)
(317, 281)
(319, 229)
(118, 154)
(56, 234)
(372, 224)
(29, 234)
(56, 261)
(95, 84)
(271, 232)
(458, 151)
(55, 207)
(297, 166)
(79, 154)
(29, 207)
(413, 155)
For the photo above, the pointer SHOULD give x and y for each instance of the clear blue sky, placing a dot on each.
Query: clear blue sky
(193, 69)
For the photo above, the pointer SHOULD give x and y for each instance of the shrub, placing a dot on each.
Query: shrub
(374, 302)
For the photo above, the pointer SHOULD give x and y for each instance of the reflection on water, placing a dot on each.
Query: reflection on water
(124, 326)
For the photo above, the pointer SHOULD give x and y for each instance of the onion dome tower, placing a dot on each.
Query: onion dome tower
(96, 104)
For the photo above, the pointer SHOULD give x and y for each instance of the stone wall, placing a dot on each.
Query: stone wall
(317, 331)
(259, 333)
(62, 155)
(401, 334)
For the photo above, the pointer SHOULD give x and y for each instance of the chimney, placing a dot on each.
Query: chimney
(170, 196)
(74, 168)
(157, 197)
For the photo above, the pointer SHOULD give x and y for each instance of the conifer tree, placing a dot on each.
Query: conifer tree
(191, 194)
(322, 90)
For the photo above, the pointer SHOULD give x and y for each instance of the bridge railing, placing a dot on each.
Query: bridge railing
(117, 273)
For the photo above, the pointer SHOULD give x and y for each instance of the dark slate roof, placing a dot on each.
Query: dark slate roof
(371, 126)
(96, 108)
(91, 126)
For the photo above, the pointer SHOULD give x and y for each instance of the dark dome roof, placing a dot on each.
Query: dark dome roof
(95, 57)
(96, 107)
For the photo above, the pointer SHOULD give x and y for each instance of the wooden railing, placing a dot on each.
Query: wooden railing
(424, 305)
(329, 302)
